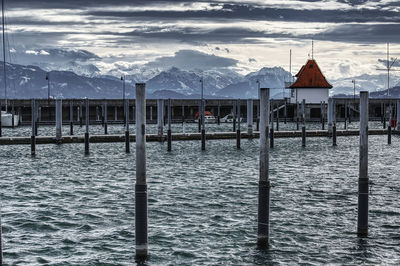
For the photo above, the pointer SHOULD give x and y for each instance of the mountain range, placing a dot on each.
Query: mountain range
(30, 82)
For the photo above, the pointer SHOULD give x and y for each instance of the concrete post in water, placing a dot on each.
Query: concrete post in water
(169, 136)
(238, 125)
(141, 185)
(160, 117)
(363, 181)
(87, 127)
(203, 125)
(250, 116)
(271, 114)
(12, 115)
(264, 183)
(80, 115)
(398, 116)
(127, 139)
(33, 137)
(330, 112)
(234, 116)
(58, 119)
(105, 119)
(303, 120)
(219, 113)
(71, 118)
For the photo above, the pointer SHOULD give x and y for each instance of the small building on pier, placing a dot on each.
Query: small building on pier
(310, 85)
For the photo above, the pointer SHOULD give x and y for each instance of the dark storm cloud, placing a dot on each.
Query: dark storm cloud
(191, 59)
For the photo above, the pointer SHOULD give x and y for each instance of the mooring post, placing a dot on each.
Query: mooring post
(285, 112)
(219, 113)
(199, 116)
(250, 117)
(390, 126)
(345, 115)
(264, 183)
(323, 115)
(363, 181)
(169, 135)
(36, 118)
(384, 116)
(271, 114)
(105, 119)
(258, 116)
(127, 137)
(203, 125)
(183, 113)
(234, 116)
(58, 120)
(134, 113)
(238, 125)
(115, 113)
(277, 117)
(160, 117)
(151, 113)
(87, 127)
(33, 137)
(71, 118)
(398, 116)
(1, 130)
(330, 114)
(334, 143)
(12, 114)
(80, 115)
(297, 115)
(303, 119)
(141, 185)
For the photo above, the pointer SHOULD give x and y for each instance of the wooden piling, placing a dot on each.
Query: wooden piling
(141, 184)
(238, 125)
(219, 113)
(105, 119)
(285, 112)
(323, 115)
(160, 117)
(389, 129)
(250, 117)
(264, 183)
(199, 116)
(183, 113)
(330, 114)
(169, 134)
(363, 181)
(80, 115)
(87, 127)
(115, 114)
(258, 117)
(71, 118)
(151, 113)
(398, 115)
(33, 137)
(277, 117)
(303, 118)
(36, 118)
(384, 116)
(271, 114)
(1, 129)
(345, 115)
(234, 116)
(58, 119)
(127, 138)
(297, 115)
(12, 115)
(203, 125)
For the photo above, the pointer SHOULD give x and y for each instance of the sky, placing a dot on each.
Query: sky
(117, 36)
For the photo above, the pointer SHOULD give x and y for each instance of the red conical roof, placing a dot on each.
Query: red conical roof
(310, 76)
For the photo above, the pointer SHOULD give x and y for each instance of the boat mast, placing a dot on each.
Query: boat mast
(4, 53)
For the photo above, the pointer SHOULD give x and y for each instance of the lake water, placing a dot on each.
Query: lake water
(64, 208)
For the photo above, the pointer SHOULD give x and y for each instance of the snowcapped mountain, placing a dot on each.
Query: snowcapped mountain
(273, 78)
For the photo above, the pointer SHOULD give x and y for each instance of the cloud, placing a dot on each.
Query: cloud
(384, 62)
(252, 60)
(191, 59)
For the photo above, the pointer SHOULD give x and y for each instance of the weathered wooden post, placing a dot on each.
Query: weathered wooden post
(141, 184)
(303, 119)
(264, 183)
(105, 118)
(297, 115)
(71, 118)
(169, 135)
(234, 116)
(384, 116)
(390, 126)
(183, 113)
(334, 143)
(199, 117)
(363, 180)
(58, 120)
(219, 113)
(271, 114)
(323, 115)
(285, 112)
(1, 130)
(87, 127)
(258, 116)
(127, 138)
(160, 117)
(36, 118)
(115, 113)
(80, 115)
(151, 113)
(203, 125)
(33, 137)
(277, 117)
(12, 115)
(330, 114)
(250, 117)
(398, 115)
(345, 115)
(238, 125)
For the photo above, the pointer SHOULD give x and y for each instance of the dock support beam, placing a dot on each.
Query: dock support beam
(160, 117)
(58, 119)
(264, 183)
(87, 127)
(363, 181)
(127, 140)
(169, 134)
(250, 117)
(141, 236)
